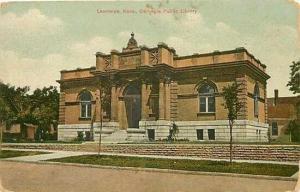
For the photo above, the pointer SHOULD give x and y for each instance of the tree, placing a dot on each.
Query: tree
(17, 101)
(105, 86)
(233, 105)
(294, 131)
(4, 112)
(39, 108)
(294, 82)
(44, 108)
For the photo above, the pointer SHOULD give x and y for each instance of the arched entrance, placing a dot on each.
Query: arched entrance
(132, 98)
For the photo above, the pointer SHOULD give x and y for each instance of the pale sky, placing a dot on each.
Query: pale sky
(39, 39)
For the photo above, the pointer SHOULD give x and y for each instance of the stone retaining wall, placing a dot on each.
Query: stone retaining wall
(214, 151)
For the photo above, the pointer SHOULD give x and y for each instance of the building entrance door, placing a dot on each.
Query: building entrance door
(132, 100)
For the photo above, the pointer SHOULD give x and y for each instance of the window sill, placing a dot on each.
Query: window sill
(84, 118)
(205, 113)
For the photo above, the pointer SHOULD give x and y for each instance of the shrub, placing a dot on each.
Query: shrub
(173, 132)
(80, 136)
(294, 131)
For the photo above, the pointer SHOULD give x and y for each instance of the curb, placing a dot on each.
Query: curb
(156, 170)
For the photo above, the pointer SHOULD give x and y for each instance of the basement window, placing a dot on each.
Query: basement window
(211, 134)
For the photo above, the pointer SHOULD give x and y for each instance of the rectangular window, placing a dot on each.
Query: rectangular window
(86, 110)
(256, 107)
(202, 104)
(83, 110)
(211, 104)
(89, 110)
(199, 134)
(151, 134)
(211, 134)
(274, 128)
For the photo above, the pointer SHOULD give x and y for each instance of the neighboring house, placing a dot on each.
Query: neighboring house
(281, 110)
(152, 88)
(15, 131)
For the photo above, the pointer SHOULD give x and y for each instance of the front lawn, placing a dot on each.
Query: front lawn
(190, 165)
(12, 153)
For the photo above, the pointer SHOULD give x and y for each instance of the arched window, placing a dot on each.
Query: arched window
(207, 99)
(85, 104)
(132, 90)
(256, 97)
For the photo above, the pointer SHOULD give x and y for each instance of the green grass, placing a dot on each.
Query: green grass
(12, 153)
(190, 165)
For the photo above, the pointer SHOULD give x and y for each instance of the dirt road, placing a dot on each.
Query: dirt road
(25, 177)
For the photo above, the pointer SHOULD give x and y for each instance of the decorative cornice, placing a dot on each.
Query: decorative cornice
(78, 69)
(164, 45)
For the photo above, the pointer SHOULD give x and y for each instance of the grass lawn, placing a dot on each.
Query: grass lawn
(190, 165)
(12, 153)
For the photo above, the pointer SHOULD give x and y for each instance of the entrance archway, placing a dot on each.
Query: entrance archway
(132, 98)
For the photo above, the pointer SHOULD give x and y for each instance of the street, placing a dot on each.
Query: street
(25, 177)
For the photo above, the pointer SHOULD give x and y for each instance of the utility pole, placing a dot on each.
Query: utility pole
(1, 136)
(101, 124)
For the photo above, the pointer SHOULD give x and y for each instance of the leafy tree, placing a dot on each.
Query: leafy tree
(4, 114)
(17, 100)
(233, 106)
(294, 82)
(44, 108)
(294, 131)
(39, 108)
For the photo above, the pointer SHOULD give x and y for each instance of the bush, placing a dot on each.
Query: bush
(294, 131)
(80, 136)
(11, 137)
(173, 132)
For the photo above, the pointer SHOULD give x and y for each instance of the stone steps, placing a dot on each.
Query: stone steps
(116, 137)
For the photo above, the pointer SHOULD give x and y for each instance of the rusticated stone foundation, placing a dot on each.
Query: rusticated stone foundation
(289, 153)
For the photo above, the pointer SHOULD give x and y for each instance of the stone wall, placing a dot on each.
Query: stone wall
(70, 132)
(290, 153)
(243, 130)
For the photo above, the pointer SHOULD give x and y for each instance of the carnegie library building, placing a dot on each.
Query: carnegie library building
(142, 93)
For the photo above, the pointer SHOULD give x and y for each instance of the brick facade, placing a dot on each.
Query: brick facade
(281, 112)
(156, 86)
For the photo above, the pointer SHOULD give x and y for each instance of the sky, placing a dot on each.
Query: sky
(39, 39)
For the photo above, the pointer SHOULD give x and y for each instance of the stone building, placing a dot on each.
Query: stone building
(282, 110)
(146, 91)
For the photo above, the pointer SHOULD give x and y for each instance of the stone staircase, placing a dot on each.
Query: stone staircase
(118, 136)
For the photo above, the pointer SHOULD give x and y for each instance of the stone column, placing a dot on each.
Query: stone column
(241, 80)
(144, 94)
(162, 95)
(167, 100)
(98, 106)
(115, 59)
(144, 55)
(114, 103)
(266, 103)
(62, 108)
(100, 63)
